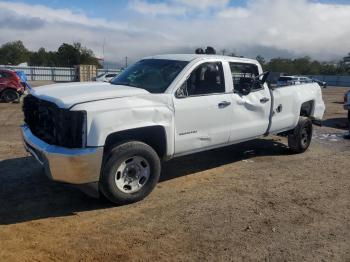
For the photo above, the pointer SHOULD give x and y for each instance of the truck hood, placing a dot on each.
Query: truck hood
(68, 94)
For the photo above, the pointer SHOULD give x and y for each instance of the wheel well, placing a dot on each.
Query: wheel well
(153, 136)
(8, 88)
(307, 108)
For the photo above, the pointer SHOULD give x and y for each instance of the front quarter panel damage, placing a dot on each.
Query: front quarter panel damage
(113, 115)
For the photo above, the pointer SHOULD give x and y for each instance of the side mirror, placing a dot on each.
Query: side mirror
(264, 76)
(182, 91)
(246, 88)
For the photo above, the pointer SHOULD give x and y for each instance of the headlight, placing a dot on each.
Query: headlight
(70, 128)
(54, 125)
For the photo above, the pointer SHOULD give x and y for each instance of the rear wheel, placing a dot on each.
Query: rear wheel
(9, 95)
(299, 140)
(130, 173)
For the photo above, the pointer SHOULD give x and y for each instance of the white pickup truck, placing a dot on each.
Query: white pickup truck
(115, 135)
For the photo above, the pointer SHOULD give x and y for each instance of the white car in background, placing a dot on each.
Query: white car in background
(292, 80)
(297, 80)
(106, 77)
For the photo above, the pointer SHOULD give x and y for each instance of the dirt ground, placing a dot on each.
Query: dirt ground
(250, 202)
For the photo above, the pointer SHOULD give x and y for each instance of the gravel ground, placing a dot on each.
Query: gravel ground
(250, 202)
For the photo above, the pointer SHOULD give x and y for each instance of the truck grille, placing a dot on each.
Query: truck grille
(54, 125)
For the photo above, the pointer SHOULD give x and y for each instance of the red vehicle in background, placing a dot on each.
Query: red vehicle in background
(11, 87)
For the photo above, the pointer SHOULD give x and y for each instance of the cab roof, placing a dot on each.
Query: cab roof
(192, 57)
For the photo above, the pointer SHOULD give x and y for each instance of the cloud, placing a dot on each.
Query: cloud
(176, 7)
(154, 9)
(203, 4)
(267, 27)
(10, 20)
(51, 15)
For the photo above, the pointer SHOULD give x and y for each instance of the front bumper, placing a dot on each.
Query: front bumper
(74, 166)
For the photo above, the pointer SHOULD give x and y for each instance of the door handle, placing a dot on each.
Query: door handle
(224, 104)
(264, 100)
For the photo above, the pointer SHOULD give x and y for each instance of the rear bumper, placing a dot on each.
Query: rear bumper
(74, 166)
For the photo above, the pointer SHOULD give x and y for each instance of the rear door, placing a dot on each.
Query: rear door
(250, 112)
(202, 110)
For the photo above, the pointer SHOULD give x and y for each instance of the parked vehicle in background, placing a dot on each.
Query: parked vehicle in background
(11, 87)
(319, 82)
(114, 136)
(296, 80)
(288, 80)
(106, 77)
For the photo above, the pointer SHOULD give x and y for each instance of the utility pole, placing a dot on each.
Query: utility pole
(103, 52)
(126, 62)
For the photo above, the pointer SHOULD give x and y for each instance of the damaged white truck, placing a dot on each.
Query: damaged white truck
(114, 136)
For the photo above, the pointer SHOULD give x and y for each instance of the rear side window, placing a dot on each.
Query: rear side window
(243, 73)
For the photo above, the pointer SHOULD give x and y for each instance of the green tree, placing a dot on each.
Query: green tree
(281, 65)
(261, 60)
(301, 66)
(68, 55)
(13, 53)
(76, 54)
(39, 58)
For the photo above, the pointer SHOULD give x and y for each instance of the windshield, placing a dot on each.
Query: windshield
(154, 75)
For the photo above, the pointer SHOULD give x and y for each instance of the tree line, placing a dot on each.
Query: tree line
(67, 55)
(304, 66)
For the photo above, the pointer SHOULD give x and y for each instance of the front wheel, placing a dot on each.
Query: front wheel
(300, 138)
(130, 173)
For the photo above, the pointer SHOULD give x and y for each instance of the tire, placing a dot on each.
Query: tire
(130, 173)
(9, 95)
(300, 138)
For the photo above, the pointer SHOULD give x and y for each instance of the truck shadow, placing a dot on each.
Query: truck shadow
(26, 194)
(198, 162)
(339, 123)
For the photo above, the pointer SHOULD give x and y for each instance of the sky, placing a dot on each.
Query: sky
(138, 28)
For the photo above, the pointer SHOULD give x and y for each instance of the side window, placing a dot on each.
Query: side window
(208, 78)
(243, 74)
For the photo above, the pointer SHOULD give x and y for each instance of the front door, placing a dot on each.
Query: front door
(202, 110)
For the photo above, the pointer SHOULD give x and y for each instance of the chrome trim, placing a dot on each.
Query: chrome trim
(32, 152)
(75, 166)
